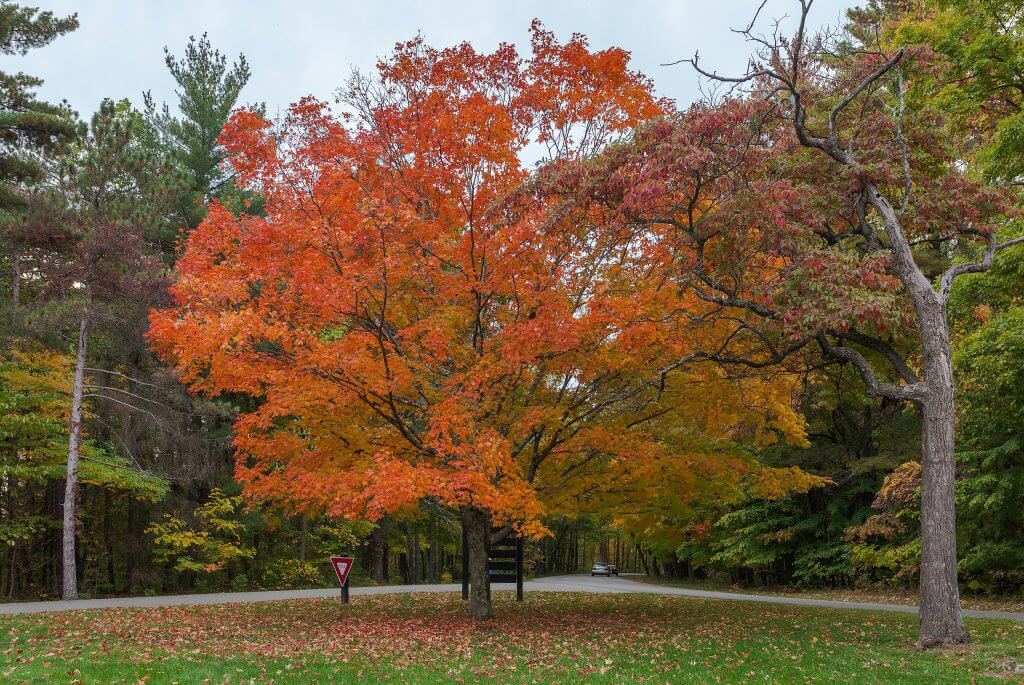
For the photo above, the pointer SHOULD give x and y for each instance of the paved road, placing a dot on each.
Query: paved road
(550, 584)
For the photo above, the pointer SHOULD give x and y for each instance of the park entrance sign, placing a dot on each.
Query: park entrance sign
(342, 567)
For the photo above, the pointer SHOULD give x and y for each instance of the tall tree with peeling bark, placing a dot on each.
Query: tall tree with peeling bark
(416, 324)
(801, 201)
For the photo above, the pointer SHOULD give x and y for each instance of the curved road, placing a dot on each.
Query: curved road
(576, 583)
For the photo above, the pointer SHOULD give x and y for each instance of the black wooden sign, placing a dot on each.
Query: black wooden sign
(504, 563)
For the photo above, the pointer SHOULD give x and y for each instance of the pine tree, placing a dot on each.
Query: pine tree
(207, 92)
(30, 129)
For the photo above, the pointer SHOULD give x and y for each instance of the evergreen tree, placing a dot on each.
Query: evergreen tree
(208, 90)
(30, 129)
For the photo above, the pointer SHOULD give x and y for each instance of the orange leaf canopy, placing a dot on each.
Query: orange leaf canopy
(412, 322)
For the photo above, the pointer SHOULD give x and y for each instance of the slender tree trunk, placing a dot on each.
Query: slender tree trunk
(478, 528)
(108, 538)
(941, 619)
(303, 535)
(11, 586)
(377, 554)
(70, 589)
(434, 552)
(412, 545)
(15, 280)
(643, 560)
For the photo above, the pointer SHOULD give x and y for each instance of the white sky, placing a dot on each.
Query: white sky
(308, 47)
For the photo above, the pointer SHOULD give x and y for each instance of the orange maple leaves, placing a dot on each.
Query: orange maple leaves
(412, 320)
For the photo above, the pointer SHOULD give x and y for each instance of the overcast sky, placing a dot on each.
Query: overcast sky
(308, 47)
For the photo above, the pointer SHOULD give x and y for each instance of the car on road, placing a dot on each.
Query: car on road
(602, 569)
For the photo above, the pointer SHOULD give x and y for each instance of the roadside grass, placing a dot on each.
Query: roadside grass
(882, 595)
(550, 638)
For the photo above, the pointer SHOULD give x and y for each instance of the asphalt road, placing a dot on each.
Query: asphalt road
(575, 583)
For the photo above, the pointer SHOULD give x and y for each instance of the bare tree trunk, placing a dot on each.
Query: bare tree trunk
(478, 528)
(70, 590)
(412, 545)
(15, 279)
(434, 552)
(643, 560)
(940, 618)
(303, 536)
(377, 554)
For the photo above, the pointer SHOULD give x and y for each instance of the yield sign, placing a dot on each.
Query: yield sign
(342, 565)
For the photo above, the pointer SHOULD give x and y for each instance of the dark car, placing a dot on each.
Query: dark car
(602, 569)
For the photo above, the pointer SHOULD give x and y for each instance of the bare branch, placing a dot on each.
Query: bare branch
(833, 136)
(125, 376)
(913, 392)
(883, 348)
(975, 267)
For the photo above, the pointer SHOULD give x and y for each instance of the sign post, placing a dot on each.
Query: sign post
(342, 567)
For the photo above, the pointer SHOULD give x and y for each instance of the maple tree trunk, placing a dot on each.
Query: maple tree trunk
(941, 620)
(70, 576)
(478, 527)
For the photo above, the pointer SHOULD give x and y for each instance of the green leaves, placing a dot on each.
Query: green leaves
(210, 544)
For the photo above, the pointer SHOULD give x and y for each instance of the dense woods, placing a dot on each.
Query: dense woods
(775, 337)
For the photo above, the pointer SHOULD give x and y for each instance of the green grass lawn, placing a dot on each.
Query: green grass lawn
(551, 638)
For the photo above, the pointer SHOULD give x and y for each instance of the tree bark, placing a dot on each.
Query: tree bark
(70, 576)
(941, 620)
(15, 280)
(434, 553)
(478, 528)
(377, 554)
(412, 545)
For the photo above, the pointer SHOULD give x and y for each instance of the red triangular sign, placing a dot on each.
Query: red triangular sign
(342, 566)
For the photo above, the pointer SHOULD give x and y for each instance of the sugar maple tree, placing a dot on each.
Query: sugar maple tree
(417, 321)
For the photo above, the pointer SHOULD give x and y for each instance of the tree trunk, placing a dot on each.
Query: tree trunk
(377, 554)
(303, 536)
(434, 552)
(643, 561)
(15, 280)
(412, 545)
(478, 527)
(941, 619)
(70, 590)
